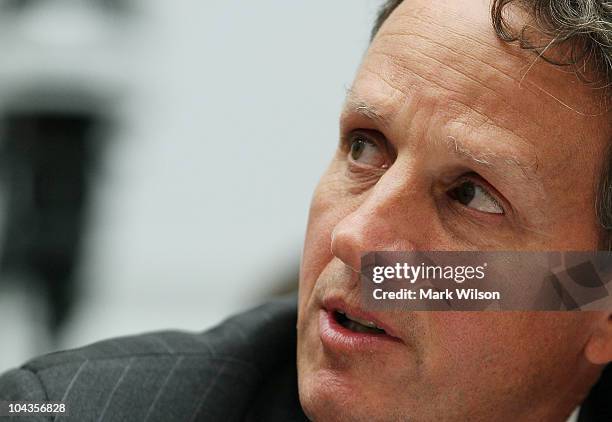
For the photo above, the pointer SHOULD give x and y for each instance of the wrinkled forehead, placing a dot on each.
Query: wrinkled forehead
(447, 53)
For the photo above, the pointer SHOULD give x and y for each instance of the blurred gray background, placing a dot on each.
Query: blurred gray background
(157, 158)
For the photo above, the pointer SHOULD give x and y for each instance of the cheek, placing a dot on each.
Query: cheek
(460, 340)
(317, 244)
(329, 206)
(496, 345)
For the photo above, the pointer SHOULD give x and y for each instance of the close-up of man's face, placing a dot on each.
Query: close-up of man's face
(454, 140)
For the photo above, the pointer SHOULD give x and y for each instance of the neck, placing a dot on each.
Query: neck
(561, 400)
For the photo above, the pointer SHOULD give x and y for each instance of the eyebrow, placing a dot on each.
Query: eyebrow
(488, 159)
(504, 165)
(491, 159)
(356, 105)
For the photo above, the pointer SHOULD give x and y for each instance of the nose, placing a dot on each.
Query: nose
(393, 216)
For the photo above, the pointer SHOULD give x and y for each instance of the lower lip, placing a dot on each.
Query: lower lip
(336, 337)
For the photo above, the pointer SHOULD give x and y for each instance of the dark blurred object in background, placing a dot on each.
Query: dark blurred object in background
(46, 158)
(191, 199)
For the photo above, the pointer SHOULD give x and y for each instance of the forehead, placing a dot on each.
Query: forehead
(446, 57)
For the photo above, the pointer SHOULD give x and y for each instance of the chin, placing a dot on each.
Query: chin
(328, 401)
(327, 395)
(319, 399)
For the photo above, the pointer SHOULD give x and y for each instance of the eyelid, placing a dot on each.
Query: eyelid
(489, 190)
(373, 137)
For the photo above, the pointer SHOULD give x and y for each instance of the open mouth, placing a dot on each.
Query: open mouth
(357, 325)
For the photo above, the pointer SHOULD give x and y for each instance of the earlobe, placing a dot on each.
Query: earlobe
(598, 350)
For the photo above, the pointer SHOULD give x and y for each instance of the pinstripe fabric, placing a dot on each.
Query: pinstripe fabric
(243, 370)
(169, 376)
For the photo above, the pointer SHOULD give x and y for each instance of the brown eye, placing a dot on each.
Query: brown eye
(366, 152)
(357, 148)
(476, 197)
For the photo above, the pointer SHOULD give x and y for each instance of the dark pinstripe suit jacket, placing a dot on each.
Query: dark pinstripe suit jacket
(243, 370)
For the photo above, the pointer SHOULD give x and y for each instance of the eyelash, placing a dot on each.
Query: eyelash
(365, 135)
(488, 190)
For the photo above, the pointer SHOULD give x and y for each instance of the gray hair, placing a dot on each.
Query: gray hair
(583, 28)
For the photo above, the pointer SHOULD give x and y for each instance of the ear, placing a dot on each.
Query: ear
(598, 349)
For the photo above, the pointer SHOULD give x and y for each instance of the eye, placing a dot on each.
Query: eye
(473, 195)
(365, 151)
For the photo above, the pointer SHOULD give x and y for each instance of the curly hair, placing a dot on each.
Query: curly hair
(584, 25)
(583, 28)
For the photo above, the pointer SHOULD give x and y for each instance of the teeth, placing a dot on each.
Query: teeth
(369, 324)
(359, 328)
(357, 324)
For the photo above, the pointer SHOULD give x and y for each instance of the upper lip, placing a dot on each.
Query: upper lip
(338, 304)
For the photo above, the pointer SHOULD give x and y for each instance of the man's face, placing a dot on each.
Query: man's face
(450, 140)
